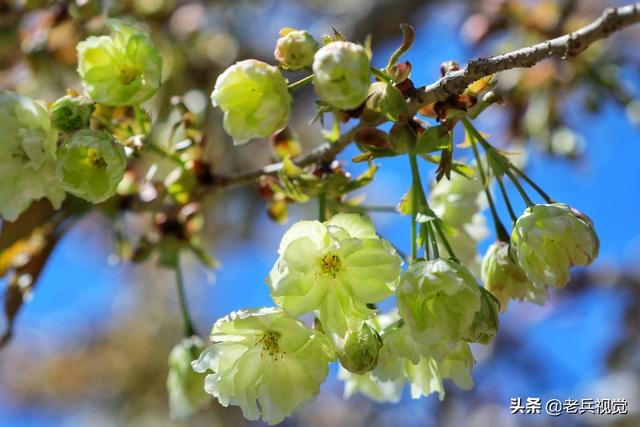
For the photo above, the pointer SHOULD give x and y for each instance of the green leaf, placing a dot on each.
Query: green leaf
(408, 36)
(393, 104)
(403, 138)
(435, 138)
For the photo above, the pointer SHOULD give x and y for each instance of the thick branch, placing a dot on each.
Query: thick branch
(611, 20)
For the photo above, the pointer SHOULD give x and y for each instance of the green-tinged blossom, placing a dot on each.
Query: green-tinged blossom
(486, 321)
(341, 74)
(71, 113)
(335, 269)
(186, 386)
(255, 100)
(28, 155)
(266, 362)
(91, 164)
(438, 300)
(124, 68)
(550, 239)
(503, 277)
(295, 49)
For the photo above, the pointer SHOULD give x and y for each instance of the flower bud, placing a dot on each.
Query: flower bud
(360, 350)
(124, 68)
(485, 323)
(255, 100)
(295, 49)
(186, 386)
(28, 155)
(403, 138)
(91, 165)
(70, 113)
(438, 300)
(550, 239)
(341, 74)
(503, 277)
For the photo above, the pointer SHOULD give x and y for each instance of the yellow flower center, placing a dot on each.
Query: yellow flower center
(128, 74)
(330, 264)
(94, 159)
(269, 341)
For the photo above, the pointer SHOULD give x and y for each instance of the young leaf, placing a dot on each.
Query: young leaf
(392, 103)
(408, 35)
(435, 138)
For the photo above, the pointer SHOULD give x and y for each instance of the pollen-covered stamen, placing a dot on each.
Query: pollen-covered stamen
(128, 75)
(93, 158)
(330, 264)
(269, 341)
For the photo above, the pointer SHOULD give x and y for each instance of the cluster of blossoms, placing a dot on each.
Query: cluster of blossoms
(547, 240)
(268, 361)
(55, 152)
(254, 95)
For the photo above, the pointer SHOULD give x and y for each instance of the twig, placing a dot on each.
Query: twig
(611, 20)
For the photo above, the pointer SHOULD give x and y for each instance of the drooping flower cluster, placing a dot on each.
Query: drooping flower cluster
(547, 240)
(337, 270)
(550, 239)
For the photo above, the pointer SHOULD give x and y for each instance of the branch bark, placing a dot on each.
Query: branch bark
(453, 83)
(611, 20)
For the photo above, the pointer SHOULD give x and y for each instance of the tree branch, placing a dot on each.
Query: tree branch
(611, 20)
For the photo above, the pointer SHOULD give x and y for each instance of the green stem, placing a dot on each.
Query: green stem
(512, 213)
(416, 189)
(533, 185)
(322, 207)
(477, 135)
(300, 83)
(382, 76)
(501, 231)
(428, 253)
(445, 242)
(189, 330)
(433, 240)
(164, 153)
(521, 190)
